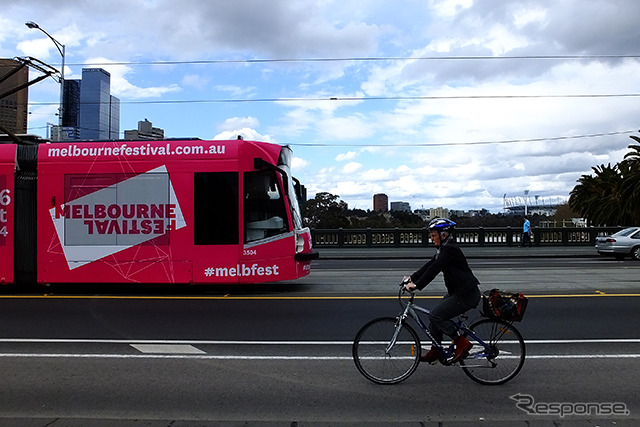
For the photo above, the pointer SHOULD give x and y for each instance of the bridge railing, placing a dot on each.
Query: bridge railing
(481, 236)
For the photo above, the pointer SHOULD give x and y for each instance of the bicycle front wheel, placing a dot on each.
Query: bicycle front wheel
(385, 352)
(500, 355)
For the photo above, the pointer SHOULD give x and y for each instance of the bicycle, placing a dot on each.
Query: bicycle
(387, 350)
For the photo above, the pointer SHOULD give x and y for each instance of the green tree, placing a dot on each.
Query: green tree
(406, 220)
(611, 195)
(325, 211)
(370, 220)
(596, 197)
(630, 187)
(564, 212)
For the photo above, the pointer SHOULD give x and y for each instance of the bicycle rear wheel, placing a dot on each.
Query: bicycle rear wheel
(503, 358)
(381, 361)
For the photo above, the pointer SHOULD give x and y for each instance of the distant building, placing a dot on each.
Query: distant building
(71, 112)
(438, 213)
(14, 108)
(531, 206)
(429, 214)
(425, 214)
(99, 110)
(145, 131)
(468, 214)
(401, 207)
(71, 103)
(301, 193)
(89, 109)
(380, 202)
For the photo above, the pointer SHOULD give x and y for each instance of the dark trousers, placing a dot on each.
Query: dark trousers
(449, 307)
(526, 239)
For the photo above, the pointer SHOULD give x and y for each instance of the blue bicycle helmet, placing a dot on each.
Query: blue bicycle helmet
(442, 224)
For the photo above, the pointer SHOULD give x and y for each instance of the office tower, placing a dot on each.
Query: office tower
(401, 207)
(71, 111)
(145, 131)
(380, 202)
(71, 103)
(99, 116)
(114, 117)
(14, 107)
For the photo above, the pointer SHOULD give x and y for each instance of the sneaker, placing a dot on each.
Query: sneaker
(462, 348)
(431, 356)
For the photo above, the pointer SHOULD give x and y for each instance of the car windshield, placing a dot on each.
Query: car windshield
(625, 232)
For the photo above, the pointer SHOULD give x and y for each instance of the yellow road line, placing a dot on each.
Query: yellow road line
(598, 294)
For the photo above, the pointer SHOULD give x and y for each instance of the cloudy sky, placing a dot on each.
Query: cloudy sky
(451, 103)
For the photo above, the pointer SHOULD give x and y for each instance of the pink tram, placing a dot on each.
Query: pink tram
(183, 211)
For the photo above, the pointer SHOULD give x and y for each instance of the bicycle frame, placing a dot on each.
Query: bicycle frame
(411, 310)
(390, 362)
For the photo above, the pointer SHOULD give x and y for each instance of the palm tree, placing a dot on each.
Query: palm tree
(611, 196)
(633, 157)
(597, 198)
(630, 188)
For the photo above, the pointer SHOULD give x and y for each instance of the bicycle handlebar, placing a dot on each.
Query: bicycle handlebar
(404, 290)
(404, 282)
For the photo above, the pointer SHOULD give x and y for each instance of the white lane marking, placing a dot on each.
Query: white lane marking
(170, 342)
(182, 349)
(220, 357)
(222, 342)
(166, 356)
(167, 349)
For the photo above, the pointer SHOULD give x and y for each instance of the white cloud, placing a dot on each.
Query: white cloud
(246, 133)
(122, 88)
(239, 123)
(349, 155)
(351, 167)
(298, 163)
(236, 91)
(344, 128)
(388, 142)
(195, 80)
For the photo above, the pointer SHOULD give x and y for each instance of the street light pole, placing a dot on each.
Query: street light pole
(61, 49)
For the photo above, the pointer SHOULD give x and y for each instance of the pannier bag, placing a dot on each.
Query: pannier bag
(504, 305)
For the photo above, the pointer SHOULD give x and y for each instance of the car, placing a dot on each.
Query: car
(621, 244)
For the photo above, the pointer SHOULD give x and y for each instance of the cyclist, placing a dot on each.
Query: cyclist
(463, 293)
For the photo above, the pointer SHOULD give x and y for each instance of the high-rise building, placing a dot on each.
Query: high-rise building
(114, 118)
(401, 206)
(99, 111)
(380, 202)
(145, 131)
(71, 111)
(90, 111)
(71, 103)
(14, 107)
(439, 212)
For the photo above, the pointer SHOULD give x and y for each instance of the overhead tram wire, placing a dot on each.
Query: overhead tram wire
(384, 98)
(362, 59)
(450, 144)
(370, 98)
(366, 59)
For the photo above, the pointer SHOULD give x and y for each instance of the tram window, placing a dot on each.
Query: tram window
(215, 208)
(264, 207)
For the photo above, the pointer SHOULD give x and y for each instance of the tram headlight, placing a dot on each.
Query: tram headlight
(299, 243)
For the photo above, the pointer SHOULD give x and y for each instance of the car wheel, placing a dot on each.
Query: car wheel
(635, 253)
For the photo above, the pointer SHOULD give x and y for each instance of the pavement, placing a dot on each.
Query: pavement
(373, 253)
(542, 422)
(551, 251)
